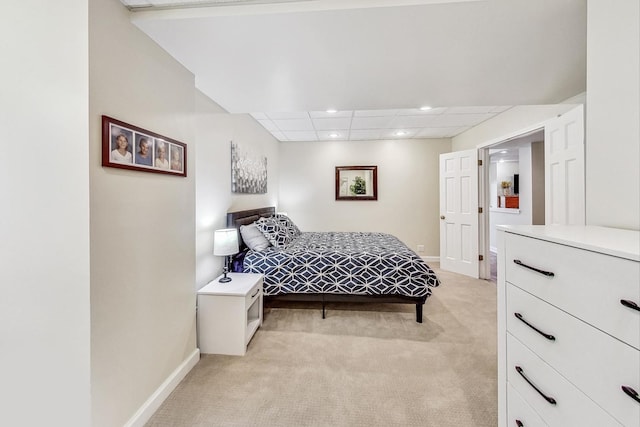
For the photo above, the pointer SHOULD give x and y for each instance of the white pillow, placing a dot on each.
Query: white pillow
(254, 238)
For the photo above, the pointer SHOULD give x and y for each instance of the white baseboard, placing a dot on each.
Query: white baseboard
(152, 404)
(431, 258)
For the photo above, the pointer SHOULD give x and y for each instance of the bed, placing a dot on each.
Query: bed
(329, 266)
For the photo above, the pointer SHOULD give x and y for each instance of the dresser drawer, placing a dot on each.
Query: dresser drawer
(586, 284)
(572, 407)
(593, 361)
(519, 411)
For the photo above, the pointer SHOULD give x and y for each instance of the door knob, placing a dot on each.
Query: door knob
(441, 216)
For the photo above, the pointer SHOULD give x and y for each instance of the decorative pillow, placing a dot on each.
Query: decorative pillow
(285, 221)
(274, 231)
(253, 237)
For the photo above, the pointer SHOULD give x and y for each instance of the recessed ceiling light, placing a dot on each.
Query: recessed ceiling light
(334, 134)
(425, 108)
(401, 133)
(503, 152)
(332, 111)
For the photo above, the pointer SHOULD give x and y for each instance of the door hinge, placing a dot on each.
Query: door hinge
(480, 258)
(479, 209)
(479, 162)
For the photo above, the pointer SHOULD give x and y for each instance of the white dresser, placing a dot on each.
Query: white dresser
(568, 326)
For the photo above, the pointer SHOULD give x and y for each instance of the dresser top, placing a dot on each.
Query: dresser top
(611, 241)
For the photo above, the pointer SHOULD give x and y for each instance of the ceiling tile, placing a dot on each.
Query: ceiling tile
(324, 114)
(329, 124)
(280, 136)
(411, 121)
(374, 113)
(361, 134)
(288, 115)
(419, 112)
(469, 110)
(325, 135)
(301, 136)
(268, 125)
(371, 122)
(392, 133)
(294, 124)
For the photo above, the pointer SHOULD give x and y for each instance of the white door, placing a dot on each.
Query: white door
(564, 169)
(459, 212)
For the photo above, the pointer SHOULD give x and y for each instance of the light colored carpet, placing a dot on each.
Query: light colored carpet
(364, 365)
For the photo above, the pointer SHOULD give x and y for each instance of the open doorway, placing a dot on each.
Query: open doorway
(514, 188)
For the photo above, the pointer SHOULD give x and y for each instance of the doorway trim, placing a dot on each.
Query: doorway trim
(484, 192)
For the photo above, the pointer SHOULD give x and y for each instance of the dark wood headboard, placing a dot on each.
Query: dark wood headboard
(236, 219)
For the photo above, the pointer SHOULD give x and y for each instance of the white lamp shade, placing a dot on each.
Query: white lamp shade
(225, 242)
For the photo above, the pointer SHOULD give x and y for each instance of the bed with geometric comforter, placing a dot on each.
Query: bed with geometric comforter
(359, 263)
(330, 266)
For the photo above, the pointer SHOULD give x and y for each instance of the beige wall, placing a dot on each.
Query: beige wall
(44, 219)
(407, 205)
(613, 114)
(142, 224)
(215, 129)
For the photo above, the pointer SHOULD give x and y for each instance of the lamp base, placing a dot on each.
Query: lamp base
(224, 279)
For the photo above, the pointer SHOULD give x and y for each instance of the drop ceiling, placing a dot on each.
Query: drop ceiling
(373, 62)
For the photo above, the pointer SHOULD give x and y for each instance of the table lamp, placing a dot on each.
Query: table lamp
(225, 243)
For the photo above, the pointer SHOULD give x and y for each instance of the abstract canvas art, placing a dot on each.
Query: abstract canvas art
(248, 171)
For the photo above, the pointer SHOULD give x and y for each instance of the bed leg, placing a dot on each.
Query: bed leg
(419, 313)
(323, 309)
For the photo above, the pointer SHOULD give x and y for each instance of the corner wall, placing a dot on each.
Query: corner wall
(142, 224)
(408, 188)
(44, 220)
(215, 129)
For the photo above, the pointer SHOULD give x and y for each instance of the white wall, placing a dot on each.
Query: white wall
(408, 178)
(507, 124)
(215, 129)
(142, 224)
(44, 220)
(613, 124)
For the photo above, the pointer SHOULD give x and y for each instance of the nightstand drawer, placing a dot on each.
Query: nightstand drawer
(537, 381)
(577, 351)
(586, 284)
(254, 294)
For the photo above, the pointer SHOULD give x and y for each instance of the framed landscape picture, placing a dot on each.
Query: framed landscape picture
(356, 183)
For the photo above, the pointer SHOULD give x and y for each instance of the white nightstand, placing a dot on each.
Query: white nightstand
(229, 314)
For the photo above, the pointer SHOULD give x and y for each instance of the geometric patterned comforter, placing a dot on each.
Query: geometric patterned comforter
(342, 263)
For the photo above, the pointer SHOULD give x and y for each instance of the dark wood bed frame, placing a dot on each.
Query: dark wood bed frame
(246, 217)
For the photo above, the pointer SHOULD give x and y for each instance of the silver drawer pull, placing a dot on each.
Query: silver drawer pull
(549, 399)
(547, 336)
(537, 270)
(632, 305)
(631, 393)
(257, 292)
